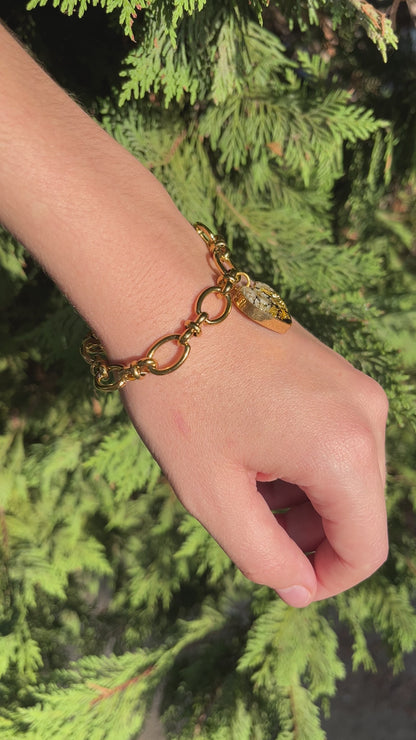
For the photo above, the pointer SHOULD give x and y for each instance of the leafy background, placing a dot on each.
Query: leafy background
(283, 125)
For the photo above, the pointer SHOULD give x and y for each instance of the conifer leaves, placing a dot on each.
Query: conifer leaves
(127, 8)
(299, 717)
(12, 265)
(178, 63)
(199, 548)
(153, 67)
(389, 613)
(99, 688)
(376, 24)
(347, 15)
(292, 657)
(110, 695)
(186, 6)
(225, 80)
(21, 653)
(285, 644)
(275, 113)
(301, 137)
(244, 724)
(125, 462)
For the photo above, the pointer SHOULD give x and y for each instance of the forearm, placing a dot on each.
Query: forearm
(97, 220)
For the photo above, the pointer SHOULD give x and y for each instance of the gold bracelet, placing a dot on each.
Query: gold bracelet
(256, 300)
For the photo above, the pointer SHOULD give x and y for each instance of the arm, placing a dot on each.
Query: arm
(294, 425)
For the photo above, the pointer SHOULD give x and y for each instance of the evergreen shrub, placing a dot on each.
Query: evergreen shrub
(290, 128)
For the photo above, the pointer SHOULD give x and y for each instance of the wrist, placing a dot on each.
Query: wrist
(257, 301)
(159, 276)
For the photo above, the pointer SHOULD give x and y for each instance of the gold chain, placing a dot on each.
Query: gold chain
(112, 377)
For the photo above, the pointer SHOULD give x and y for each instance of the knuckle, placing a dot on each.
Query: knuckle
(376, 398)
(352, 445)
(360, 444)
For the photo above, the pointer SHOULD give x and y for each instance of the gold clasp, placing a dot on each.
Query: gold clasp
(217, 247)
(205, 233)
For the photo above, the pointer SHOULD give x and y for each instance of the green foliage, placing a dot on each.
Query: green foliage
(344, 15)
(205, 50)
(125, 462)
(126, 8)
(109, 590)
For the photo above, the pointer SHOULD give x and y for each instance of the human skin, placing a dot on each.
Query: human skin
(253, 421)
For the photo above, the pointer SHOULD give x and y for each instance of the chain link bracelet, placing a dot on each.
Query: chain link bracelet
(256, 300)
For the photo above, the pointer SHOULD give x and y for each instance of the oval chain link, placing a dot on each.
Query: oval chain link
(111, 377)
(185, 350)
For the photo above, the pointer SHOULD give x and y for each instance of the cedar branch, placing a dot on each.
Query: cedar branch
(171, 153)
(376, 17)
(105, 693)
(4, 532)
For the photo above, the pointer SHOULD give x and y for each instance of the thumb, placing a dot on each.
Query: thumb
(239, 519)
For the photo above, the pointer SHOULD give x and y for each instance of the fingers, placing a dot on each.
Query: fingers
(294, 512)
(239, 518)
(304, 526)
(280, 494)
(341, 514)
(350, 500)
(345, 473)
(346, 526)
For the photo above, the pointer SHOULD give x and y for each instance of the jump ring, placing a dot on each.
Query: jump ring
(218, 291)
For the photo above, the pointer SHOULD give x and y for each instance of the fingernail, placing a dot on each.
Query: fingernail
(295, 596)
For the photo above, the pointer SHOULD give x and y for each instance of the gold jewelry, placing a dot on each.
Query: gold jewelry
(256, 300)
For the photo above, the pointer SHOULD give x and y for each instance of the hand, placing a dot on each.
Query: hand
(254, 422)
